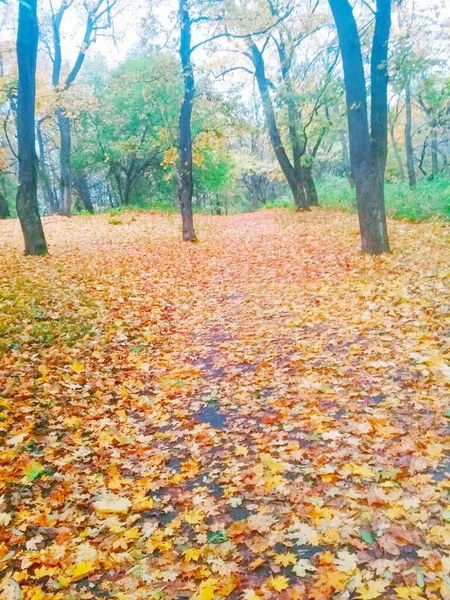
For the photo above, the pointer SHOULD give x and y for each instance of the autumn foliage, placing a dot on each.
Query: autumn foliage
(260, 415)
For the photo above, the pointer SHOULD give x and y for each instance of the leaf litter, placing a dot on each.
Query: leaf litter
(261, 415)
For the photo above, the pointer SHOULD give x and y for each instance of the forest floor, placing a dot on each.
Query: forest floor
(264, 414)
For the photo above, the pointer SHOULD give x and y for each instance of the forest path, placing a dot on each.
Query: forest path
(267, 408)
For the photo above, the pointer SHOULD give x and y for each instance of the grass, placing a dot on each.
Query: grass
(430, 200)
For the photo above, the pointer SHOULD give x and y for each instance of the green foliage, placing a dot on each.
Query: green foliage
(8, 187)
(430, 199)
(129, 134)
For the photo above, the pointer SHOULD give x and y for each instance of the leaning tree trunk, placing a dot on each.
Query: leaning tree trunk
(185, 170)
(65, 151)
(302, 173)
(412, 179)
(4, 208)
(368, 149)
(294, 180)
(27, 203)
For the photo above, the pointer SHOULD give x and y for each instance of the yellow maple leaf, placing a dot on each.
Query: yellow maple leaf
(207, 590)
(133, 534)
(141, 502)
(192, 554)
(82, 568)
(414, 592)
(34, 593)
(193, 517)
(45, 572)
(372, 590)
(273, 482)
(63, 580)
(285, 559)
(71, 421)
(241, 450)
(326, 558)
(361, 470)
(77, 367)
(279, 583)
(270, 463)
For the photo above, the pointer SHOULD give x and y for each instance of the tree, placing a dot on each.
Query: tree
(207, 12)
(4, 208)
(368, 147)
(434, 99)
(186, 180)
(293, 176)
(27, 203)
(97, 18)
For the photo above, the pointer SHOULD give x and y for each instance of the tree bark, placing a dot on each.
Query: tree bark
(368, 149)
(346, 159)
(82, 186)
(186, 180)
(310, 186)
(398, 158)
(65, 151)
(294, 179)
(27, 203)
(65, 182)
(434, 154)
(44, 176)
(412, 179)
(4, 208)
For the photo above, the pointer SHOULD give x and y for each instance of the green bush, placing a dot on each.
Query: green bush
(429, 200)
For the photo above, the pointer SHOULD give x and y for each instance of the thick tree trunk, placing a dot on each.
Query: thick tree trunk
(294, 179)
(368, 149)
(65, 182)
(84, 191)
(310, 187)
(44, 176)
(4, 208)
(27, 203)
(185, 175)
(412, 179)
(398, 158)
(372, 215)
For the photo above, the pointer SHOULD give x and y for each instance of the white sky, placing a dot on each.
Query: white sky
(127, 25)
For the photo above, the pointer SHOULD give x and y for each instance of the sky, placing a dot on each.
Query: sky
(127, 25)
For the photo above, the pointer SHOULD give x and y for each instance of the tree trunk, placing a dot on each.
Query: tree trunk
(294, 179)
(346, 159)
(310, 186)
(27, 203)
(412, 179)
(186, 180)
(65, 182)
(44, 176)
(368, 149)
(83, 191)
(4, 208)
(128, 188)
(398, 158)
(434, 154)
